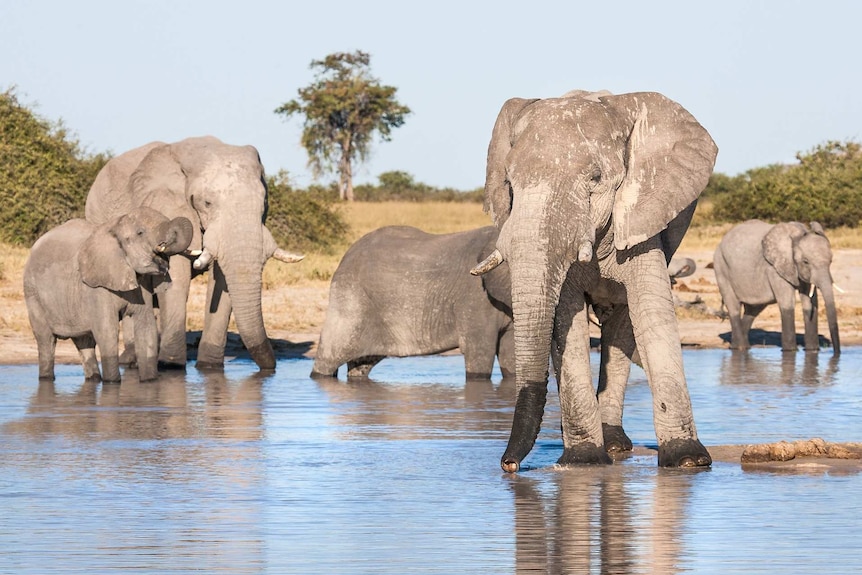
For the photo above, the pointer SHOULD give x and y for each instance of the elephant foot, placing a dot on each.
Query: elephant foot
(584, 454)
(168, 365)
(360, 368)
(615, 438)
(529, 409)
(683, 453)
(263, 355)
(203, 364)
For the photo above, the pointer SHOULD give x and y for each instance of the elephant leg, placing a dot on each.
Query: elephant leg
(86, 346)
(749, 313)
(506, 352)
(581, 423)
(738, 330)
(656, 333)
(788, 329)
(216, 320)
(479, 347)
(618, 347)
(128, 357)
(172, 315)
(146, 336)
(107, 335)
(809, 319)
(360, 368)
(46, 341)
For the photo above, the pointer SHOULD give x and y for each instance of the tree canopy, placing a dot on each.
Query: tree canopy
(825, 186)
(44, 173)
(343, 108)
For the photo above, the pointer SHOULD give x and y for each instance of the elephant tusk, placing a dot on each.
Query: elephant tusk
(287, 257)
(193, 253)
(203, 261)
(161, 247)
(811, 290)
(585, 251)
(838, 289)
(489, 263)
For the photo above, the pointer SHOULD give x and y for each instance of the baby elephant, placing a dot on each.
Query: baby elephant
(401, 292)
(81, 278)
(757, 264)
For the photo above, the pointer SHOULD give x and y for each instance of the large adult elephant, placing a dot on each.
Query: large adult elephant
(758, 264)
(593, 193)
(221, 189)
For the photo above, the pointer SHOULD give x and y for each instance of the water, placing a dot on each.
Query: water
(238, 473)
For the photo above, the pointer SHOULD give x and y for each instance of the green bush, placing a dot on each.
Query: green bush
(825, 186)
(304, 220)
(44, 173)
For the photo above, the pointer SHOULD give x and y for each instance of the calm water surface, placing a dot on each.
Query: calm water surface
(238, 473)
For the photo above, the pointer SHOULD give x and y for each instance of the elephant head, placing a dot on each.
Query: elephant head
(580, 179)
(136, 243)
(802, 257)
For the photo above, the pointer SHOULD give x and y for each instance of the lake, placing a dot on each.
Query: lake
(237, 472)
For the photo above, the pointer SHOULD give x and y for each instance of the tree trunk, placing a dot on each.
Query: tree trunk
(345, 171)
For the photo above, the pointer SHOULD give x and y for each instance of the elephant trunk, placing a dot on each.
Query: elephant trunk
(826, 291)
(242, 258)
(538, 268)
(174, 236)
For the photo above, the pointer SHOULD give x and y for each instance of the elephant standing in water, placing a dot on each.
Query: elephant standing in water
(221, 189)
(758, 264)
(399, 291)
(80, 278)
(592, 194)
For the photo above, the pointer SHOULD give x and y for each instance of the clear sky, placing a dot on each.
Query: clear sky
(767, 78)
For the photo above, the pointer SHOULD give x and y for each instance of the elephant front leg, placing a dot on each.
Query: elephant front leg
(809, 318)
(216, 320)
(581, 423)
(172, 315)
(656, 334)
(618, 346)
(146, 338)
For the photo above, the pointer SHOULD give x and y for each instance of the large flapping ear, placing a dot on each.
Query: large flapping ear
(498, 198)
(102, 262)
(106, 195)
(778, 249)
(669, 159)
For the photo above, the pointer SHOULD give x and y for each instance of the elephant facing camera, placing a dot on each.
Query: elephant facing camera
(80, 278)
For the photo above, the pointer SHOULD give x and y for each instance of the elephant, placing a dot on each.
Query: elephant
(221, 189)
(680, 268)
(81, 277)
(592, 194)
(758, 264)
(399, 291)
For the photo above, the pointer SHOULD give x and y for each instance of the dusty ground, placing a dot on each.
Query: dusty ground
(295, 313)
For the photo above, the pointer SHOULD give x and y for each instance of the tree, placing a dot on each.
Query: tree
(44, 173)
(343, 109)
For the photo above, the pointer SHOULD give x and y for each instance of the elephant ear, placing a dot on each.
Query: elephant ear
(778, 249)
(102, 262)
(498, 196)
(817, 229)
(669, 158)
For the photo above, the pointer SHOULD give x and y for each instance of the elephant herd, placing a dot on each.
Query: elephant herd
(590, 196)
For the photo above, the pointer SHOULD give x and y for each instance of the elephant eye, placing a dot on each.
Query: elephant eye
(140, 232)
(596, 175)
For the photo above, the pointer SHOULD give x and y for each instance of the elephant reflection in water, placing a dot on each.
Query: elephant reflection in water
(477, 406)
(161, 409)
(739, 367)
(557, 525)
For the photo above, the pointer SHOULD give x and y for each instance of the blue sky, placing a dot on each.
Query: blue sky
(767, 79)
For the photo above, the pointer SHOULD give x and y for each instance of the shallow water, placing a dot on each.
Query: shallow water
(238, 473)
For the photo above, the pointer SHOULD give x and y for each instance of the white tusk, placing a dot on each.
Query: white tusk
(838, 289)
(810, 290)
(204, 260)
(287, 257)
(193, 253)
(161, 247)
(489, 263)
(585, 252)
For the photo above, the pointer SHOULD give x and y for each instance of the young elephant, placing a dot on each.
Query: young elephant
(81, 278)
(758, 264)
(401, 292)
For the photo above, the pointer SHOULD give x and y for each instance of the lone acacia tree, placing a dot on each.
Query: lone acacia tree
(343, 108)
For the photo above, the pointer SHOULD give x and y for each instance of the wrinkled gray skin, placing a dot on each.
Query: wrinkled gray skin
(592, 194)
(220, 188)
(758, 264)
(81, 277)
(399, 292)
